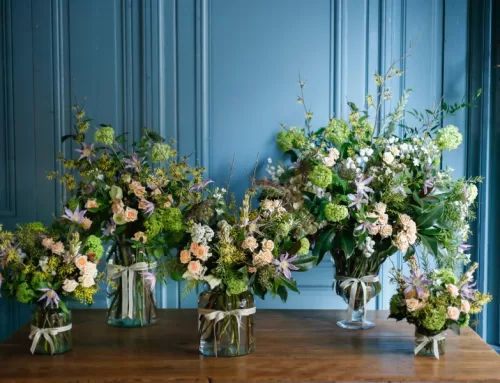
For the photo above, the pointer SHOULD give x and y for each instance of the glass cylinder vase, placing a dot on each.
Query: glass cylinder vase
(361, 276)
(425, 337)
(131, 284)
(50, 330)
(226, 323)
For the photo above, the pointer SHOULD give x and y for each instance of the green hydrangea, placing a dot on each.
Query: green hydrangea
(434, 318)
(338, 131)
(153, 226)
(72, 203)
(105, 135)
(305, 246)
(447, 276)
(294, 138)
(25, 293)
(94, 245)
(160, 152)
(37, 278)
(236, 286)
(448, 138)
(172, 219)
(397, 308)
(335, 213)
(321, 176)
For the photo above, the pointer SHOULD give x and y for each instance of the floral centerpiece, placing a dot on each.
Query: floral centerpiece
(133, 200)
(435, 301)
(238, 252)
(373, 193)
(41, 267)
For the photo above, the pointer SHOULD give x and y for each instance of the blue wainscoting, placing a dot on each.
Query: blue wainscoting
(218, 76)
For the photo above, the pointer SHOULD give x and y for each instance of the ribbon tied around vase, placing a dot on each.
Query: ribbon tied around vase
(424, 340)
(127, 273)
(49, 335)
(215, 316)
(354, 283)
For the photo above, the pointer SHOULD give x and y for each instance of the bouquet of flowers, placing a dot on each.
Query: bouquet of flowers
(374, 194)
(40, 266)
(435, 301)
(237, 252)
(133, 200)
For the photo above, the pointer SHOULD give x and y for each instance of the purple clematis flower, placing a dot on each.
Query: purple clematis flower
(147, 206)
(76, 216)
(285, 265)
(150, 279)
(357, 200)
(50, 296)
(86, 152)
(109, 229)
(200, 186)
(417, 281)
(467, 291)
(134, 162)
(428, 185)
(399, 190)
(362, 185)
(253, 226)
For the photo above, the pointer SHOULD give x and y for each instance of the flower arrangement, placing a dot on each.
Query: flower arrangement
(237, 252)
(435, 301)
(132, 199)
(371, 192)
(40, 266)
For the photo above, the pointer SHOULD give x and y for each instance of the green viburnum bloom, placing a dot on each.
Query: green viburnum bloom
(338, 131)
(448, 138)
(160, 152)
(153, 225)
(304, 246)
(447, 276)
(335, 213)
(172, 219)
(363, 131)
(94, 245)
(105, 135)
(434, 319)
(321, 176)
(294, 138)
(236, 286)
(24, 293)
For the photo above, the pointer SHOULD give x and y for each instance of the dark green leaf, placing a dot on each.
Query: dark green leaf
(306, 262)
(430, 243)
(429, 219)
(283, 293)
(323, 244)
(344, 240)
(291, 284)
(65, 137)
(177, 276)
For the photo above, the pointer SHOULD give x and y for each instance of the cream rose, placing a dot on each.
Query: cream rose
(383, 219)
(453, 313)
(156, 192)
(250, 243)
(86, 223)
(140, 191)
(380, 208)
(385, 231)
(185, 256)
(328, 161)
(258, 259)
(405, 220)
(465, 306)
(452, 289)
(90, 269)
(48, 243)
(388, 158)
(91, 204)
(87, 280)
(69, 285)
(412, 304)
(268, 256)
(267, 244)
(373, 229)
(81, 262)
(268, 205)
(130, 214)
(117, 206)
(140, 236)
(58, 248)
(401, 241)
(412, 238)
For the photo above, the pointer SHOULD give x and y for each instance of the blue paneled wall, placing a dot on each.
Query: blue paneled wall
(218, 76)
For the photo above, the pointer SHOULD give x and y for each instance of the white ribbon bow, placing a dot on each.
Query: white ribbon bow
(48, 334)
(128, 278)
(348, 281)
(425, 340)
(216, 316)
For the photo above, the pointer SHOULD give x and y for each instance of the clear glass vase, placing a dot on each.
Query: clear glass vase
(139, 311)
(232, 335)
(51, 317)
(346, 269)
(428, 350)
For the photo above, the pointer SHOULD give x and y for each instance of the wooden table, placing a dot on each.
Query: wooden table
(292, 346)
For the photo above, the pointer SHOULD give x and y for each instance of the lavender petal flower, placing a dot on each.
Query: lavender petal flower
(86, 152)
(357, 200)
(428, 185)
(362, 186)
(109, 229)
(285, 265)
(200, 186)
(134, 162)
(416, 281)
(50, 296)
(467, 291)
(76, 216)
(147, 206)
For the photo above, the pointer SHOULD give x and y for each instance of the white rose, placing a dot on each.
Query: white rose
(69, 285)
(380, 208)
(412, 238)
(401, 241)
(267, 244)
(412, 304)
(90, 269)
(385, 231)
(373, 229)
(465, 306)
(405, 220)
(453, 313)
(452, 289)
(383, 219)
(334, 153)
(388, 158)
(87, 280)
(250, 243)
(328, 161)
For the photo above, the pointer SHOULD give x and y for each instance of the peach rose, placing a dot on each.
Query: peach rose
(195, 268)
(250, 243)
(140, 236)
(185, 256)
(452, 289)
(201, 252)
(252, 269)
(134, 185)
(156, 192)
(86, 223)
(453, 313)
(465, 306)
(91, 204)
(258, 259)
(48, 243)
(117, 206)
(413, 304)
(268, 256)
(194, 247)
(58, 248)
(90, 269)
(267, 244)
(130, 214)
(81, 262)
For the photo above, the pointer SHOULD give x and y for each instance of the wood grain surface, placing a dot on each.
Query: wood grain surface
(292, 346)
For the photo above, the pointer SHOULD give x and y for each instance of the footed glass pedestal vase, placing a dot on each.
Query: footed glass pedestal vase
(226, 323)
(131, 284)
(50, 330)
